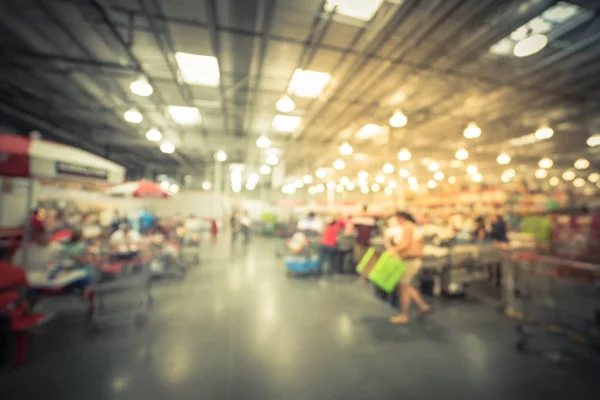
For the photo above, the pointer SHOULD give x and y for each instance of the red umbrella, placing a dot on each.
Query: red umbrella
(138, 189)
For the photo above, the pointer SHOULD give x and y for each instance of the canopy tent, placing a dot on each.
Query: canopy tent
(138, 189)
(23, 157)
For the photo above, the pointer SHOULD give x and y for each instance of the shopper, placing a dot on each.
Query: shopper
(327, 252)
(480, 230)
(364, 226)
(245, 224)
(311, 225)
(498, 232)
(124, 240)
(214, 229)
(407, 245)
(234, 224)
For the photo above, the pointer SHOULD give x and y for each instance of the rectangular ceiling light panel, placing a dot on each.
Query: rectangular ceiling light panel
(286, 123)
(307, 83)
(363, 10)
(198, 70)
(185, 115)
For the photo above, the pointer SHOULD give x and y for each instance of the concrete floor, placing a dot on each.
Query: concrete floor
(238, 328)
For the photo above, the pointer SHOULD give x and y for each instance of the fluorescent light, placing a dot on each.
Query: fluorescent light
(286, 123)
(320, 188)
(350, 186)
(523, 140)
(579, 182)
(581, 163)
(431, 184)
(167, 147)
(368, 131)
(307, 83)
(298, 183)
(263, 142)
(362, 175)
(472, 169)
(154, 135)
(198, 70)
(398, 120)
(307, 179)
(477, 177)
(272, 160)
(404, 155)
(472, 131)
(364, 189)
(438, 176)
(339, 164)
(546, 163)
(265, 169)
(174, 188)
(312, 190)
(554, 181)
(133, 116)
(321, 172)
(380, 178)
(561, 12)
(375, 187)
(363, 10)
(569, 175)
(541, 173)
(285, 105)
(404, 173)
(344, 180)
(392, 184)
(544, 132)
(331, 185)
(206, 185)
(221, 156)
(503, 159)
(462, 154)
(594, 177)
(141, 87)
(412, 180)
(530, 45)
(185, 115)
(339, 188)
(346, 149)
(388, 168)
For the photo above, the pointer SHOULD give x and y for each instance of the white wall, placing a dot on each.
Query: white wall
(200, 203)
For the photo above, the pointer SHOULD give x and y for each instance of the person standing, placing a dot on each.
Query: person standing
(363, 225)
(407, 244)
(327, 251)
(245, 225)
(234, 224)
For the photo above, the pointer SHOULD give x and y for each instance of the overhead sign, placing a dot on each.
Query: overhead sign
(82, 171)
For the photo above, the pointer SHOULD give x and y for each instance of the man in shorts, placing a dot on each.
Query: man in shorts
(363, 225)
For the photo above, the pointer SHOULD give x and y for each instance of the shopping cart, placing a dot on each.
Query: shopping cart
(167, 259)
(552, 298)
(190, 248)
(121, 288)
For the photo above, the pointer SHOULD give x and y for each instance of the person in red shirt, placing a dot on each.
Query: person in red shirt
(11, 276)
(327, 252)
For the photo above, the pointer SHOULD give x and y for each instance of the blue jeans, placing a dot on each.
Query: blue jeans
(327, 254)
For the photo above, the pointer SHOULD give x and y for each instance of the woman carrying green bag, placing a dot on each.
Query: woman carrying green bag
(407, 245)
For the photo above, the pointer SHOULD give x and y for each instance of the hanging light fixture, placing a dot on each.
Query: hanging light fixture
(472, 131)
(431, 184)
(581, 163)
(462, 154)
(579, 182)
(594, 177)
(375, 187)
(272, 160)
(380, 178)
(141, 87)
(154, 135)
(544, 132)
(388, 168)
(398, 120)
(452, 180)
(477, 177)
(321, 172)
(530, 45)
(285, 104)
(350, 186)
(339, 164)
(554, 181)
(346, 149)
(362, 175)
(472, 169)
(167, 147)
(433, 166)
(546, 163)
(206, 185)
(541, 173)
(133, 116)
(263, 142)
(412, 180)
(569, 175)
(307, 179)
(503, 159)
(265, 169)
(438, 176)
(404, 173)
(404, 155)
(344, 180)
(221, 156)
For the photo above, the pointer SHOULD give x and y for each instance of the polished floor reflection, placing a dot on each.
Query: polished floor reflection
(238, 328)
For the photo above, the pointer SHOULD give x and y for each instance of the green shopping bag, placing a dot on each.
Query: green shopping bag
(387, 272)
(364, 261)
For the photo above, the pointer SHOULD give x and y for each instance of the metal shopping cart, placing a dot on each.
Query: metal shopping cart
(553, 298)
(121, 288)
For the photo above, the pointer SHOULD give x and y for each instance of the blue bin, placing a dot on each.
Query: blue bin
(301, 264)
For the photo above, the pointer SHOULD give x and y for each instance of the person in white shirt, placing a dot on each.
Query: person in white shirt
(125, 239)
(310, 224)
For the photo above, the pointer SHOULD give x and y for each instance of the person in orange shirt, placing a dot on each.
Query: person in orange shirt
(327, 252)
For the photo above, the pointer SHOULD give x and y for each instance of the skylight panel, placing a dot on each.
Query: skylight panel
(286, 123)
(185, 115)
(198, 69)
(306, 83)
(363, 10)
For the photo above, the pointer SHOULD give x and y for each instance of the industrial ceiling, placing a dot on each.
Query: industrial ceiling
(218, 70)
